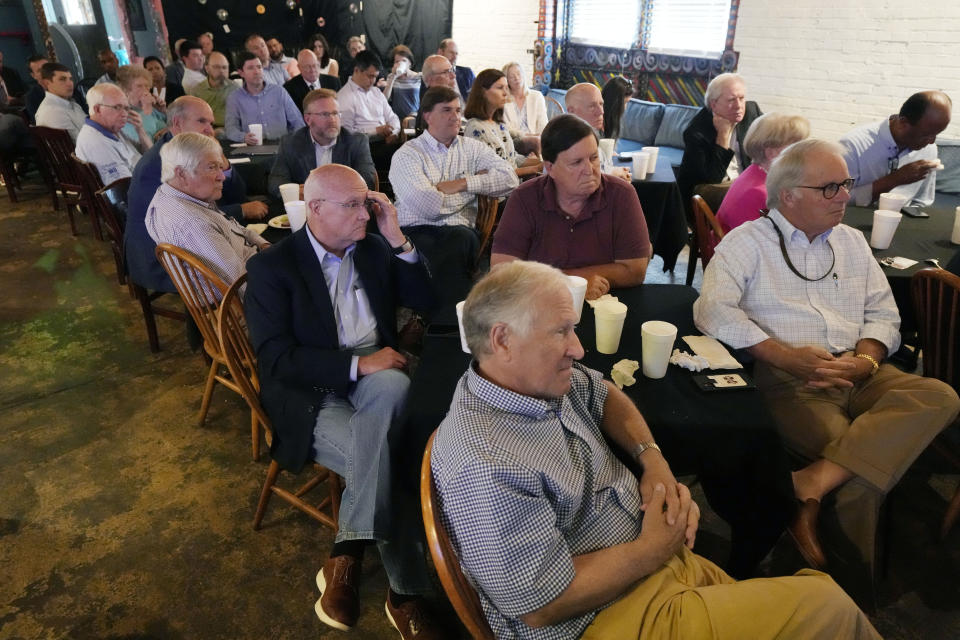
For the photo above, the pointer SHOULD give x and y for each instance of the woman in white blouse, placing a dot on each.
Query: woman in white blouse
(525, 114)
(485, 112)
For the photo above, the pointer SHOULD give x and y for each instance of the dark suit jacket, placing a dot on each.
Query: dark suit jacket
(465, 78)
(15, 86)
(297, 87)
(175, 72)
(704, 161)
(138, 246)
(294, 332)
(296, 158)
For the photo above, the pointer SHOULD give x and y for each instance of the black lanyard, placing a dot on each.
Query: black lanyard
(783, 250)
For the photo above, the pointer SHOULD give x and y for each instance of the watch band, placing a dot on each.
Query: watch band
(406, 246)
(643, 446)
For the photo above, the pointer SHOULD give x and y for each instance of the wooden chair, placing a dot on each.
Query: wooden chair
(712, 195)
(936, 304)
(461, 593)
(487, 209)
(553, 106)
(59, 149)
(90, 182)
(49, 171)
(201, 291)
(706, 229)
(242, 363)
(111, 204)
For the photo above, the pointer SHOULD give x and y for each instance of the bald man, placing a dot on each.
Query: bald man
(321, 308)
(187, 114)
(309, 78)
(899, 153)
(436, 72)
(216, 88)
(585, 100)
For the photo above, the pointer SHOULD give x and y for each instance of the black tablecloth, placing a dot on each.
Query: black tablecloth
(727, 438)
(915, 238)
(663, 209)
(255, 172)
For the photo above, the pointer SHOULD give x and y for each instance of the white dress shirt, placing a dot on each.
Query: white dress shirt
(362, 111)
(422, 163)
(191, 79)
(749, 293)
(58, 113)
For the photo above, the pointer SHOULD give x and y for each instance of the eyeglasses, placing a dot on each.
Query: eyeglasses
(323, 114)
(116, 107)
(832, 189)
(348, 205)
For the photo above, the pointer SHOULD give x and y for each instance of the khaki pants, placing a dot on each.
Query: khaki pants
(691, 598)
(876, 430)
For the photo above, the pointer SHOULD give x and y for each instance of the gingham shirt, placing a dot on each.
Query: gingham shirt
(523, 486)
(869, 153)
(749, 294)
(199, 227)
(422, 163)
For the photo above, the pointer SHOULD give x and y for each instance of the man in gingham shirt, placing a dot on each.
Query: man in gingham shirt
(805, 296)
(559, 537)
(437, 177)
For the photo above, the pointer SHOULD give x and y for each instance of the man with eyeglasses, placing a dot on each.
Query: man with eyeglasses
(99, 141)
(184, 213)
(365, 109)
(803, 294)
(216, 88)
(321, 306)
(436, 72)
(899, 154)
(323, 141)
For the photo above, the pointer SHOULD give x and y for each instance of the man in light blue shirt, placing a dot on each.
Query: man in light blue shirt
(259, 102)
(273, 72)
(899, 153)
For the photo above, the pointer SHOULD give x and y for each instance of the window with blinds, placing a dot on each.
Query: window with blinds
(606, 23)
(694, 28)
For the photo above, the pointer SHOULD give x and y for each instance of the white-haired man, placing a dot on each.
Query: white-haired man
(713, 141)
(99, 141)
(560, 538)
(805, 296)
(184, 212)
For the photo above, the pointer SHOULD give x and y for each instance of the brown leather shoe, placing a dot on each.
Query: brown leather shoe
(803, 530)
(413, 620)
(339, 604)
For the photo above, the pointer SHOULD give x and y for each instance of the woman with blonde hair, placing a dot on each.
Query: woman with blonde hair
(766, 138)
(525, 113)
(136, 83)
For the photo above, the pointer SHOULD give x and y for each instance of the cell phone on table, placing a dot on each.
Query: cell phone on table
(914, 212)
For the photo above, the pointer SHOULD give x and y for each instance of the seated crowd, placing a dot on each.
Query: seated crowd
(558, 536)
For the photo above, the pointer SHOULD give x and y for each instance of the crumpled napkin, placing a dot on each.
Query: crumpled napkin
(715, 353)
(603, 300)
(622, 373)
(688, 361)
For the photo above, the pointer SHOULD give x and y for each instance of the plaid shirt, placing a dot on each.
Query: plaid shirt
(523, 486)
(749, 293)
(422, 163)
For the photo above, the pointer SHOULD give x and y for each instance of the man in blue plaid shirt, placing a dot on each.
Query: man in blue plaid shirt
(560, 539)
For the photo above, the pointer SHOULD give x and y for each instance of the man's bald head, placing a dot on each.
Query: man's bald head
(585, 100)
(332, 181)
(217, 68)
(189, 114)
(309, 65)
(336, 200)
(438, 72)
(922, 117)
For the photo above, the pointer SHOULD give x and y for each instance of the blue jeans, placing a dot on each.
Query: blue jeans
(350, 437)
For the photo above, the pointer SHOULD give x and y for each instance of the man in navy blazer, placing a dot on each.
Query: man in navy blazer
(322, 141)
(186, 114)
(321, 309)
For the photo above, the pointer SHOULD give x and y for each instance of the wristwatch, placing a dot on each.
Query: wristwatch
(406, 246)
(643, 446)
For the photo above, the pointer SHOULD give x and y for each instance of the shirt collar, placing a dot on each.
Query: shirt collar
(323, 253)
(433, 142)
(322, 146)
(595, 202)
(791, 233)
(506, 400)
(99, 127)
(176, 193)
(356, 87)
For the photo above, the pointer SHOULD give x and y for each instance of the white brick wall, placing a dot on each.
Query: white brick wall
(491, 33)
(841, 65)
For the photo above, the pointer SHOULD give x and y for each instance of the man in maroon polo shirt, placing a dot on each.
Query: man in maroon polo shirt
(575, 218)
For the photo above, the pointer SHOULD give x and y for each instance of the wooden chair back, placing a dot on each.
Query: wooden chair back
(89, 180)
(200, 289)
(110, 205)
(706, 230)
(936, 304)
(59, 147)
(487, 208)
(554, 107)
(461, 593)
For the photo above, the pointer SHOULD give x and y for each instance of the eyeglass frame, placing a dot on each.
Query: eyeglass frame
(846, 185)
(124, 107)
(325, 114)
(367, 202)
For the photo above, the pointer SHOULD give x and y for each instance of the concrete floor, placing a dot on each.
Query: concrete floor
(121, 518)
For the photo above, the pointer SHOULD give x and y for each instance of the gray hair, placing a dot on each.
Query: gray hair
(185, 150)
(788, 169)
(773, 130)
(718, 84)
(99, 93)
(507, 294)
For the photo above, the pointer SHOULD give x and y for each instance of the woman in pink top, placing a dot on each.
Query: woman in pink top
(765, 139)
